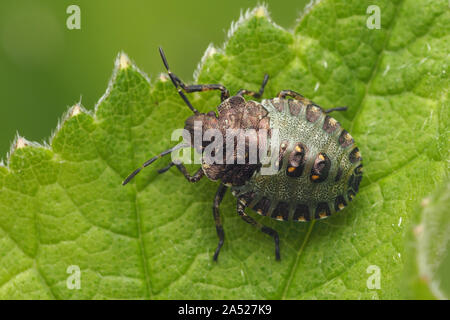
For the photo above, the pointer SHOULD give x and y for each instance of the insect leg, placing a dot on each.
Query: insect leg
(217, 200)
(150, 161)
(194, 178)
(253, 93)
(204, 87)
(263, 228)
(297, 96)
(192, 88)
(289, 93)
(336, 109)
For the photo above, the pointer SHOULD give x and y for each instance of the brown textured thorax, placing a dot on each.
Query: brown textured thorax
(238, 114)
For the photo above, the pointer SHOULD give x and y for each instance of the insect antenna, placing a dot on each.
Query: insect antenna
(175, 82)
(336, 109)
(150, 161)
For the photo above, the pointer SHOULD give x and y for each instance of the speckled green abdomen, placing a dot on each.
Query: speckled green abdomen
(319, 167)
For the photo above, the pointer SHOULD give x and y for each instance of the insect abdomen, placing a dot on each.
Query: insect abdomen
(319, 168)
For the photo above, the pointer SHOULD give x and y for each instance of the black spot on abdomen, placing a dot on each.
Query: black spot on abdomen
(313, 112)
(330, 125)
(301, 213)
(321, 168)
(339, 203)
(296, 161)
(345, 139)
(322, 211)
(281, 211)
(355, 156)
(263, 206)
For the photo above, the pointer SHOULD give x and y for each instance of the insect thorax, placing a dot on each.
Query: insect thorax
(238, 117)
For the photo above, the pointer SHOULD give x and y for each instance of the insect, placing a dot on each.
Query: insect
(318, 167)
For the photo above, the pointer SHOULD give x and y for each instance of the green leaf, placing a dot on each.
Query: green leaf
(63, 204)
(427, 275)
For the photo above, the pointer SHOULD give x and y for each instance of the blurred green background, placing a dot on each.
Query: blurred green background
(44, 67)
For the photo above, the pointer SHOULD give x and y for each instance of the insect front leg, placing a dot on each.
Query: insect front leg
(263, 228)
(224, 93)
(192, 88)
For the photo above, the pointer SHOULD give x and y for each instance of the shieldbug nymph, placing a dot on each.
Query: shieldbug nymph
(318, 167)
